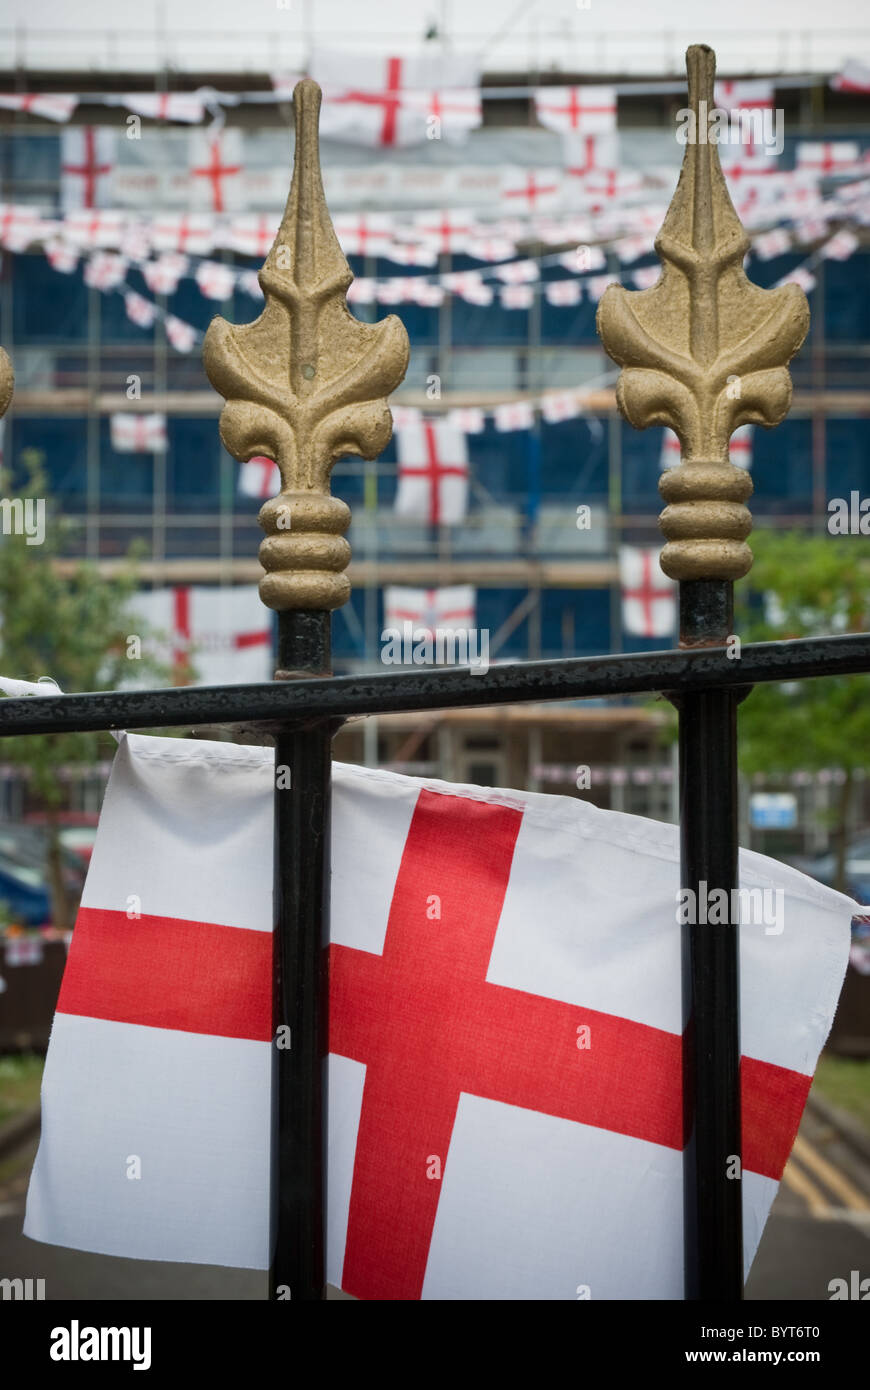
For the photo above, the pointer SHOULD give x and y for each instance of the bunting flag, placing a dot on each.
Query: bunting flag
(181, 335)
(514, 415)
(87, 160)
(221, 635)
(132, 433)
(95, 228)
(827, 157)
(504, 1084)
(166, 106)
(54, 106)
(162, 276)
(392, 101)
(433, 472)
(140, 310)
(584, 110)
(470, 419)
(557, 406)
(855, 77)
(216, 166)
(188, 233)
(649, 598)
(105, 271)
(19, 226)
(215, 280)
(426, 610)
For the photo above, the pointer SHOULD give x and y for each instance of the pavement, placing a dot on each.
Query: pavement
(818, 1230)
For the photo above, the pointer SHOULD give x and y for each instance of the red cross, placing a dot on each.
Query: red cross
(434, 470)
(214, 171)
(428, 1026)
(181, 230)
(445, 230)
(90, 171)
(828, 162)
(647, 594)
(532, 190)
(575, 108)
(391, 100)
(263, 234)
(363, 234)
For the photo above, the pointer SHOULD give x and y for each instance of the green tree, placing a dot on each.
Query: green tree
(807, 586)
(59, 618)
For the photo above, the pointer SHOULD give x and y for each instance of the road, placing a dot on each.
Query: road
(819, 1230)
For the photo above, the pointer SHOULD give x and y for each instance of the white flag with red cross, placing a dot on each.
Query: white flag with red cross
(433, 472)
(584, 110)
(87, 159)
(218, 636)
(395, 101)
(452, 607)
(649, 598)
(166, 106)
(216, 169)
(54, 106)
(132, 433)
(505, 1113)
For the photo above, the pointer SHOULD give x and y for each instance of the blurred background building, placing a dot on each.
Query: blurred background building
(487, 197)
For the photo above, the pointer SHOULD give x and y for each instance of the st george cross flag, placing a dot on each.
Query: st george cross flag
(505, 1015)
(87, 159)
(138, 434)
(649, 598)
(222, 634)
(433, 471)
(452, 607)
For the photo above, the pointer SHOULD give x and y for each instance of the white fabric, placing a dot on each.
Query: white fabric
(588, 918)
(229, 631)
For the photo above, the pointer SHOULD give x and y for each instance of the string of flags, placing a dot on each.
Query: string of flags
(392, 101)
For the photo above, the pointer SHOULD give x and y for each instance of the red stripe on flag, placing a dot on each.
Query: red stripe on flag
(767, 1091)
(162, 972)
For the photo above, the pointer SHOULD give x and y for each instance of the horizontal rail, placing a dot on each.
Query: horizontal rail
(336, 697)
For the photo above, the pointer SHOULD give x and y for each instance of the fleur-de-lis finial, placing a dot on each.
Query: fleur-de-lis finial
(304, 384)
(7, 382)
(703, 351)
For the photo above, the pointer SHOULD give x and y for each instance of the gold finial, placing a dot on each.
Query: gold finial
(304, 384)
(7, 382)
(703, 351)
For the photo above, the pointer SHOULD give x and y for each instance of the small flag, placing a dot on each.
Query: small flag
(433, 472)
(138, 434)
(649, 598)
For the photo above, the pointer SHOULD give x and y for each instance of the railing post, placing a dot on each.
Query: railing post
(305, 384)
(703, 352)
